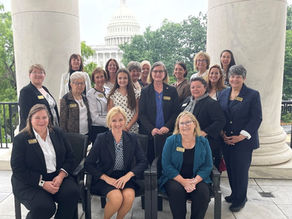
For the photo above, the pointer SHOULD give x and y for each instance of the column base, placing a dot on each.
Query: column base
(280, 171)
(273, 150)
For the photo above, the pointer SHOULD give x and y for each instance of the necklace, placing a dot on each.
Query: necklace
(80, 102)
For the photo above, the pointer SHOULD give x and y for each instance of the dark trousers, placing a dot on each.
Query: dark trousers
(178, 196)
(216, 145)
(237, 159)
(42, 205)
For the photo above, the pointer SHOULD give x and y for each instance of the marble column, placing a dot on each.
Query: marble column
(255, 31)
(45, 32)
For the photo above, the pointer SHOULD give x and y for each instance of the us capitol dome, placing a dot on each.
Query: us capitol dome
(121, 29)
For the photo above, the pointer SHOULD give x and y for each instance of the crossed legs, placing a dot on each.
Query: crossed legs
(120, 202)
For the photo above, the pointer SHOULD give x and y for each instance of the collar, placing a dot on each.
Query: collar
(37, 134)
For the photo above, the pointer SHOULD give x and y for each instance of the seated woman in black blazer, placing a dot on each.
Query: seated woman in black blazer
(35, 93)
(41, 163)
(115, 161)
(158, 106)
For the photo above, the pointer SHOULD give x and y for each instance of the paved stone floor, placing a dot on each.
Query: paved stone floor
(277, 207)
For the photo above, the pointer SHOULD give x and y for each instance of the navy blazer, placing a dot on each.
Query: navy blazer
(28, 97)
(101, 158)
(147, 108)
(244, 113)
(28, 161)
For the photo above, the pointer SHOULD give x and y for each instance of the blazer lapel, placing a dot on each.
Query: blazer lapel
(55, 142)
(32, 142)
(165, 94)
(152, 101)
(127, 152)
(111, 145)
(236, 103)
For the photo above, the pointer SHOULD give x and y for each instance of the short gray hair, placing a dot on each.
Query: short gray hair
(133, 65)
(77, 75)
(237, 70)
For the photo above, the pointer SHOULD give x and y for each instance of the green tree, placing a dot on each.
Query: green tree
(287, 82)
(7, 64)
(87, 54)
(289, 18)
(170, 43)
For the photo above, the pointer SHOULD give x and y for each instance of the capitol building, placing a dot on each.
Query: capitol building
(121, 28)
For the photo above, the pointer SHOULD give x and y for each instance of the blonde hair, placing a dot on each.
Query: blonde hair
(114, 111)
(197, 130)
(202, 54)
(37, 66)
(36, 108)
(145, 62)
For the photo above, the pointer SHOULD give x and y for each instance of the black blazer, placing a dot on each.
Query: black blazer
(209, 115)
(28, 161)
(101, 158)
(28, 97)
(147, 108)
(244, 113)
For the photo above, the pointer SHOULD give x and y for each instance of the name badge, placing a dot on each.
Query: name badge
(40, 97)
(32, 141)
(100, 95)
(72, 105)
(180, 149)
(166, 97)
(239, 99)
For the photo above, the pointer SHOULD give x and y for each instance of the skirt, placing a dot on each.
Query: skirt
(101, 188)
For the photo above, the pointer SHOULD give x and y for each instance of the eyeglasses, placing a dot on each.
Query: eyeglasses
(187, 123)
(38, 73)
(158, 71)
(201, 60)
(78, 83)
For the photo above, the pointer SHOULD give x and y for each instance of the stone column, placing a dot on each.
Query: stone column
(255, 32)
(45, 32)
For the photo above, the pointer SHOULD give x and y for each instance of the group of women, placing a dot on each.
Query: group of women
(213, 113)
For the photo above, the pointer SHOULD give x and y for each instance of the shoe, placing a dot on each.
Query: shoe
(228, 199)
(237, 208)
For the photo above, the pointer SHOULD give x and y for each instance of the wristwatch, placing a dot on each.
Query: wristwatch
(41, 183)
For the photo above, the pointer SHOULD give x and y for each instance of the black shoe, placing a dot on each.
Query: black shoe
(237, 208)
(228, 199)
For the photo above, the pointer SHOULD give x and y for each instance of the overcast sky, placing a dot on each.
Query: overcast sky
(96, 14)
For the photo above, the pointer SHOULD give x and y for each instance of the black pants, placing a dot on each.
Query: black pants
(237, 159)
(42, 205)
(178, 196)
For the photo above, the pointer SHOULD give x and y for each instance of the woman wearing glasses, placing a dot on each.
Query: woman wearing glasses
(158, 106)
(201, 63)
(186, 167)
(35, 93)
(97, 100)
(75, 115)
